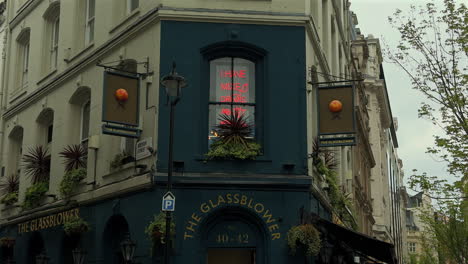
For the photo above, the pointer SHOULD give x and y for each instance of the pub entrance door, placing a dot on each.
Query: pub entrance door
(231, 256)
(234, 238)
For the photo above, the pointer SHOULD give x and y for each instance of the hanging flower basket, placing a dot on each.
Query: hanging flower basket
(75, 226)
(156, 229)
(304, 236)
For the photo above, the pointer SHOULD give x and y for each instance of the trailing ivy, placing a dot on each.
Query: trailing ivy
(10, 198)
(71, 180)
(34, 194)
(338, 200)
(305, 236)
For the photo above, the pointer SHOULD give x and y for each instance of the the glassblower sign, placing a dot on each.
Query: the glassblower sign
(49, 221)
(232, 199)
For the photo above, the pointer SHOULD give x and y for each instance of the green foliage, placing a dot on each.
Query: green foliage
(37, 164)
(71, 180)
(75, 226)
(74, 157)
(340, 203)
(156, 229)
(305, 235)
(10, 198)
(121, 159)
(34, 194)
(433, 51)
(232, 150)
(9, 184)
(233, 138)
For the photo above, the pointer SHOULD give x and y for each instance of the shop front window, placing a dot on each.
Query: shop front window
(232, 90)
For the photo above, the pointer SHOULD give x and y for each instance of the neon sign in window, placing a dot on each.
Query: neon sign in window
(232, 88)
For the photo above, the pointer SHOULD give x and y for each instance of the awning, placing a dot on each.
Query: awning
(361, 243)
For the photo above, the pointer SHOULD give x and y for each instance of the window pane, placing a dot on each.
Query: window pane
(50, 131)
(91, 6)
(229, 84)
(244, 81)
(215, 111)
(132, 5)
(85, 121)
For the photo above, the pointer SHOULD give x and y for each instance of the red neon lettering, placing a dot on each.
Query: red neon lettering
(228, 74)
(237, 87)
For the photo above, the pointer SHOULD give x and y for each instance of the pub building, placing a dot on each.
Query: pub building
(226, 210)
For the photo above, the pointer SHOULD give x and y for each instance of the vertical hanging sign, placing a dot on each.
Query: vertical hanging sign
(336, 122)
(120, 109)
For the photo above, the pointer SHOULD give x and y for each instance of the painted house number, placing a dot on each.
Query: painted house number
(233, 238)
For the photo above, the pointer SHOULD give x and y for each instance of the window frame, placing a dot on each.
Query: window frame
(246, 51)
(89, 22)
(84, 140)
(130, 4)
(54, 42)
(232, 104)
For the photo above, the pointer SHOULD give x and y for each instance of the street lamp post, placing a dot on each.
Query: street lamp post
(173, 84)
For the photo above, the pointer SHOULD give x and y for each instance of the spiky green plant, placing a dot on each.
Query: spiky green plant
(234, 128)
(234, 141)
(74, 157)
(9, 184)
(37, 164)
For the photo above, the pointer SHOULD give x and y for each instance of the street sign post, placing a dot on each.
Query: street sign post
(168, 202)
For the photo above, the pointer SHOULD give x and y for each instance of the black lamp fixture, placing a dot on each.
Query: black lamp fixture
(79, 255)
(127, 246)
(42, 258)
(173, 84)
(326, 252)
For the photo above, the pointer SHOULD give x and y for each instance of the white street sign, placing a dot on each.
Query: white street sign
(168, 202)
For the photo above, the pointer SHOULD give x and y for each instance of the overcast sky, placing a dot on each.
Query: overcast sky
(414, 134)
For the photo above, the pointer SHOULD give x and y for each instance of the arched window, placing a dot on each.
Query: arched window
(46, 126)
(51, 36)
(23, 57)
(85, 114)
(232, 89)
(15, 151)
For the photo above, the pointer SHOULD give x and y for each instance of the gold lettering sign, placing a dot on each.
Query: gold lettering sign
(232, 199)
(48, 221)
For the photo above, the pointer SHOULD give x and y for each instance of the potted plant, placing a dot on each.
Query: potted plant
(37, 164)
(7, 242)
(156, 229)
(304, 236)
(120, 160)
(34, 194)
(9, 187)
(234, 138)
(71, 180)
(75, 226)
(75, 168)
(74, 157)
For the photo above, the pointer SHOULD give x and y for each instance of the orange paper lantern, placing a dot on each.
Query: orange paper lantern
(121, 95)
(335, 106)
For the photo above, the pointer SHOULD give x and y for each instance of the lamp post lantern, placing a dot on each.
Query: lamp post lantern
(127, 246)
(78, 255)
(42, 258)
(173, 84)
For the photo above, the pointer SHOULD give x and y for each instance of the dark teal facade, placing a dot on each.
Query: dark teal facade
(219, 204)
